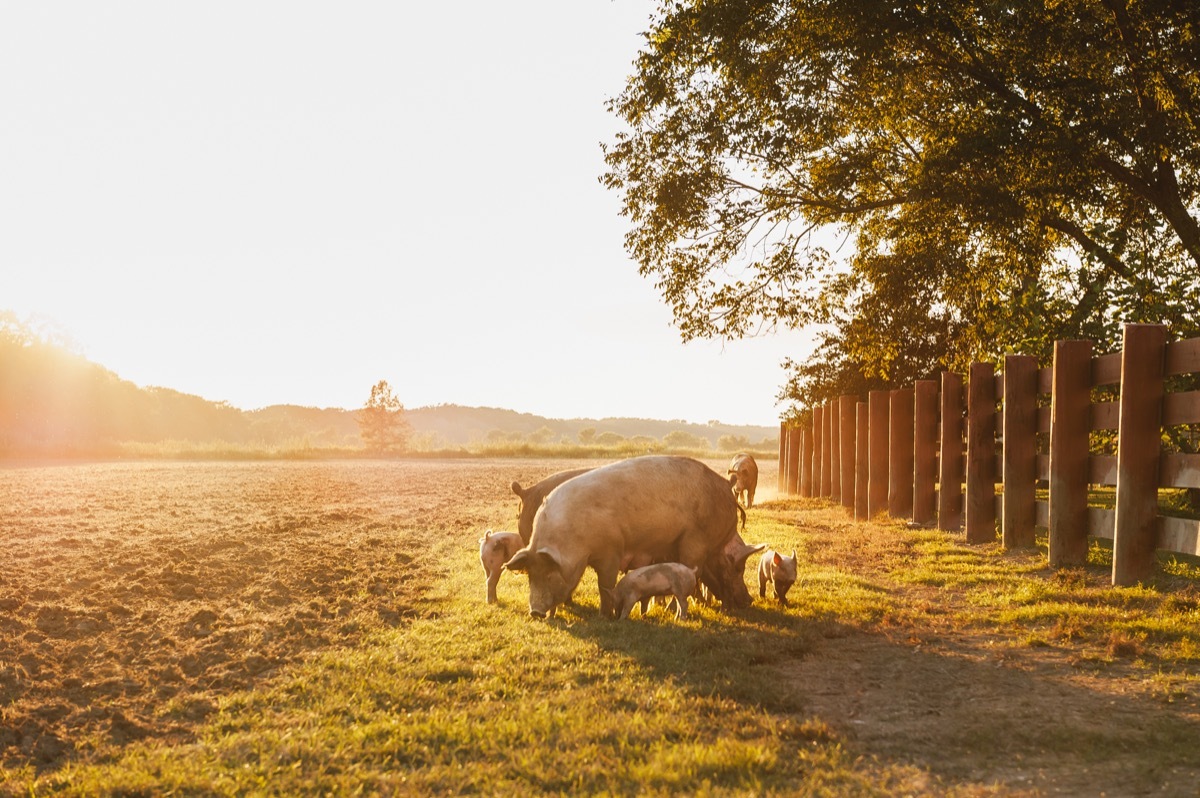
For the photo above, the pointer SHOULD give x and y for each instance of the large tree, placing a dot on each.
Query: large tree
(933, 181)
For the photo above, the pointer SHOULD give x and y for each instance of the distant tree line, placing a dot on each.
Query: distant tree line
(55, 402)
(589, 437)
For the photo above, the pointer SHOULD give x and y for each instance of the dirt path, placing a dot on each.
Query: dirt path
(973, 702)
(965, 713)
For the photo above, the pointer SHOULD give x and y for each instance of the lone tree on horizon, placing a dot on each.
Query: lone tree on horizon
(381, 422)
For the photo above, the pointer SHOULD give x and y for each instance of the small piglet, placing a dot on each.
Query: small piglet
(663, 579)
(780, 571)
(495, 549)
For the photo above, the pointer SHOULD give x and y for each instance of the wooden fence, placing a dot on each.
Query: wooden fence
(936, 451)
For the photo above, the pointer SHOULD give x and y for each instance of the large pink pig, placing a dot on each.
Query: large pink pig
(656, 508)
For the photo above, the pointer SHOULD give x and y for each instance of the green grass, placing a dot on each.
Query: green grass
(469, 698)
(483, 699)
(474, 698)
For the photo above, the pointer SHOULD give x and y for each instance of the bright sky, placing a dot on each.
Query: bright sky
(285, 202)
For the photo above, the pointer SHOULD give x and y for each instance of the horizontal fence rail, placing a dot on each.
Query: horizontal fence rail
(966, 455)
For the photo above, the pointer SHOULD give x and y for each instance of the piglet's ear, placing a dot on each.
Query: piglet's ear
(519, 561)
(517, 489)
(778, 558)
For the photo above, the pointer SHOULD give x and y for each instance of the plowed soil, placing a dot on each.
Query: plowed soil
(133, 596)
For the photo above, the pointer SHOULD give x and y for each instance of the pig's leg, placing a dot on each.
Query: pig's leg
(493, 579)
(680, 605)
(693, 550)
(606, 575)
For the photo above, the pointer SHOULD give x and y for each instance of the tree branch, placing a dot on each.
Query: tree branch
(1089, 245)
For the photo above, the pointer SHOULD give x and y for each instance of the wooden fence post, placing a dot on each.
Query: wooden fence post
(804, 466)
(1019, 424)
(950, 462)
(795, 466)
(862, 461)
(1138, 448)
(1070, 406)
(900, 467)
(826, 450)
(846, 439)
(925, 410)
(877, 479)
(781, 484)
(835, 451)
(981, 454)
(818, 430)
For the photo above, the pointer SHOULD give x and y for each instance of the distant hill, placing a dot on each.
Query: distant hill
(451, 426)
(461, 425)
(55, 401)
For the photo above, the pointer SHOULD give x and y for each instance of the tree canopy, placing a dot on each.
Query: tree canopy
(929, 182)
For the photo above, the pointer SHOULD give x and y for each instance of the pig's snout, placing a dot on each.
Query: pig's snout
(536, 614)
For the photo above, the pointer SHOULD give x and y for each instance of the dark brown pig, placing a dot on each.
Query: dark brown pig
(643, 584)
(495, 549)
(660, 507)
(743, 471)
(531, 498)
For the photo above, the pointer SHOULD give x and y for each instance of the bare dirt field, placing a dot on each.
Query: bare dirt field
(135, 596)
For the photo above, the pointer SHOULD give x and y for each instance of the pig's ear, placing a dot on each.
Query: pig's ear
(793, 555)
(778, 558)
(517, 489)
(548, 559)
(739, 558)
(519, 561)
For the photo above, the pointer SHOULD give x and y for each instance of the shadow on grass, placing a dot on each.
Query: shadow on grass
(960, 708)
